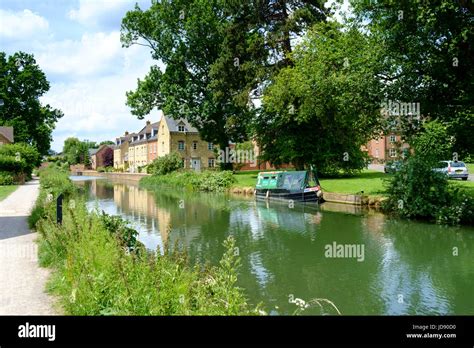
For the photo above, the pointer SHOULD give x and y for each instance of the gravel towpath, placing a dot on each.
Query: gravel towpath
(22, 281)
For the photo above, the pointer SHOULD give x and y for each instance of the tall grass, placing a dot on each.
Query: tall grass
(95, 274)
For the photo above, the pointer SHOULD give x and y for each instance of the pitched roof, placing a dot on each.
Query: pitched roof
(173, 125)
(7, 132)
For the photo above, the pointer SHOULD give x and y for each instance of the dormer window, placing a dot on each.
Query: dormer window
(181, 128)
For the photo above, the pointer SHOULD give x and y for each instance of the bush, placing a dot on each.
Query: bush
(166, 164)
(207, 181)
(100, 169)
(6, 178)
(417, 191)
(28, 155)
(12, 164)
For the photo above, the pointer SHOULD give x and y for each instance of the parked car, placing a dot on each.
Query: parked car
(392, 166)
(453, 169)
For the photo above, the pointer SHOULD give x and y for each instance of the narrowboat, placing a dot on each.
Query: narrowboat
(299, 186)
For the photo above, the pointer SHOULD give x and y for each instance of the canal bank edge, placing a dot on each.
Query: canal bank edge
(351, 199)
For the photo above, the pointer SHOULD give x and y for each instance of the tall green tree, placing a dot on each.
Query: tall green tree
(22, 83)
(325, 106)
(217, 55)
(429, 54)
(76, 151)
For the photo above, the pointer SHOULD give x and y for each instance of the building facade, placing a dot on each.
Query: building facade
(6, 135)
(101, 157)
(180, 137)
(387, 147)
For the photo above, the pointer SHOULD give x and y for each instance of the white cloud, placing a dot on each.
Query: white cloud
(21, 25)
(92, 12)
(93, 54)
(94, 108)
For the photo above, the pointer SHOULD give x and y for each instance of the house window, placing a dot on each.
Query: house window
(210, 162)
(184, 163)
(162, 146)
(163, 130)
(195, 145)
(210, 146)
(393, 153)
(393, 138)
(180, 128)
(181, 145)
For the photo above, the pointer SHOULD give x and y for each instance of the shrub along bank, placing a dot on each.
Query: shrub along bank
(206, 181)
(17, 162)
(101, 269)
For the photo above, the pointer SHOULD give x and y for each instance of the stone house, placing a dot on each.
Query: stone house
(6, 135)
(180, 137)
(121, 152)
(141, 144)
(152, 142)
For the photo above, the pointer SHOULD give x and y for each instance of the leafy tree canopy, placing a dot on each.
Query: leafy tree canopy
(324, 107)
(22, 83)
(429, 58)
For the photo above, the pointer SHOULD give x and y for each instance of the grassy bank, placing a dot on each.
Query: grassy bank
(6, 190)
(370, 181)
(206, 181)
(100, 269)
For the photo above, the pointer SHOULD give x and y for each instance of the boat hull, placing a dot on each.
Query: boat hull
(300, 196)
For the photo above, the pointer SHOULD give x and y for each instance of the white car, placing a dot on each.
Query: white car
(453, 169)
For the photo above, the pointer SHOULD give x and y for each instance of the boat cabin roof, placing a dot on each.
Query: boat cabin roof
(294, 180)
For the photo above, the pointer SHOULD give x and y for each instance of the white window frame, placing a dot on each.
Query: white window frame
(393, 138)
(210, 146)
(179, 145)
(392, 152)
(181, 128)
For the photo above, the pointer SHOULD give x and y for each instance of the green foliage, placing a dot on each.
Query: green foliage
(165, 164)
(6, 178)
(76, 151)
(427, 55)
(12, 164)
(434, 143)
(218, 54)
(28, 157)
(94, 275)
(55, 182)
(120, 228)
(206, 181)
(325, 106)
(22, 83)
(417, 191)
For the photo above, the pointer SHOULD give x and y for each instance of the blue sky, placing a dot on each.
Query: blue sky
(77, 45)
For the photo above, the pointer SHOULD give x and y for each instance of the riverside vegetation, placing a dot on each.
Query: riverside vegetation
(167, 172)
(99, 267)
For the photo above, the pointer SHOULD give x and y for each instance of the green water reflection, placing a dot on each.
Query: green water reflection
(408, 267)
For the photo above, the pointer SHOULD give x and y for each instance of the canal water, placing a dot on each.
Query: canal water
(387, 266)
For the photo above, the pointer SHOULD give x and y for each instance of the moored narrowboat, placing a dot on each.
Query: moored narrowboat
(299, 186)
